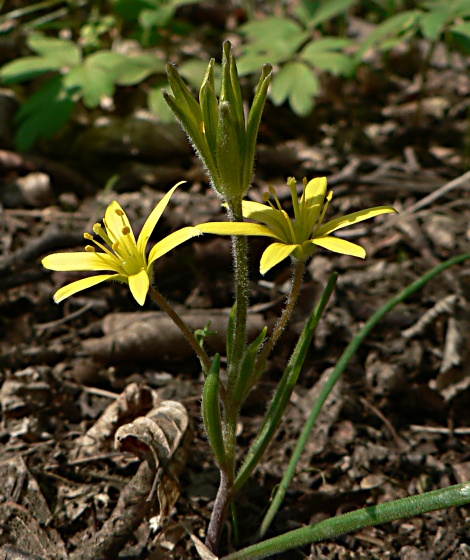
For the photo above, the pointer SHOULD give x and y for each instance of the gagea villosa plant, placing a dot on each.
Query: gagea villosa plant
(225, 142)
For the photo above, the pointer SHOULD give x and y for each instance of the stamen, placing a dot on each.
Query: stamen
(98, 230)
(328, 197)
(265, 196)
(90, 249)
(273, 194)
(88, 236)
(126, 230)
(115, 246)
(295, 198)
(119, 212)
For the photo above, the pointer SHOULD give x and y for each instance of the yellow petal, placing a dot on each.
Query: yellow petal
(81, 261)
(115, 222)
(278, 221)
(274, 254)
(82, 284)
(139, 285)
(338, 245)
(153, 218)
(314, 194)
(315, 191)
(355, 218)
(171, 241)
(237, 228)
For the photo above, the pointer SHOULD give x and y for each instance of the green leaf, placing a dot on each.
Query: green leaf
(193, 71)
(328, 44)
(156, 18)
(62, 52)
(432, 23)
(92, 81)
(254, 119)
(274, 37)
(158, 106)
(321, 54)
(26, 68)
(43, 114)
(459, 37)
(296, 82)
(316, 13)
(393, 27)
(247, 377)
(211, 411)
(136, 68)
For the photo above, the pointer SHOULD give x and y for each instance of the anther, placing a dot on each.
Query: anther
(126, 230)
(119, 212)
(89, 249)
(88, 236)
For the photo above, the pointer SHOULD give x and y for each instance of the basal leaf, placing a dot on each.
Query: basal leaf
(335, 63)
(316, 13)
(63, 52)
(392, 27)
(296, 82)
(43, 114)
(432, 23)
(26, 68)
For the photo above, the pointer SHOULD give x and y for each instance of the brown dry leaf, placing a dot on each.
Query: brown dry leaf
(202, 549)
(134, 401)
(24, 512)
(158, 437)
(162, 440)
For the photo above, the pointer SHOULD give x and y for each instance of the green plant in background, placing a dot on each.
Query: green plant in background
(296, 45)
(225, 142)
(75, 77)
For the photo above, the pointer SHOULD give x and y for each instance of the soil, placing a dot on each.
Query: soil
(73, 374)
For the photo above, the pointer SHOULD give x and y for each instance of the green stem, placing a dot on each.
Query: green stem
(297, 276)
(284, 390)
(240, 257)
(334, 376)
(404, 508)
(183, 327)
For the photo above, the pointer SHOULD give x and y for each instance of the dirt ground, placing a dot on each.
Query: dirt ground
(72, 374)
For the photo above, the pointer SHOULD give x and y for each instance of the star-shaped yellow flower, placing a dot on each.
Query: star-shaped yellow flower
(121, 254)
(300, 236)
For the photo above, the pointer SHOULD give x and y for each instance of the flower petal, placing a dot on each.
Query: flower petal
(315, 191)
(171, 241)
(139, 285)
(82, 284)
(115, 222)
(152, 220)
(237, 228)
(81, 261)
(338, 245)
(274, 254)
(314, 196)
(275, 219)
(354, 218)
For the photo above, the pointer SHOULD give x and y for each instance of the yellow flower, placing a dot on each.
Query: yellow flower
(300, 236)
(121, 254)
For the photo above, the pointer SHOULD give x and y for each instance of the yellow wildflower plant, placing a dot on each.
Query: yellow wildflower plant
(298, 237)
(120, 252)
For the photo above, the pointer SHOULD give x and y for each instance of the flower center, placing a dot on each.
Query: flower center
(118, 244)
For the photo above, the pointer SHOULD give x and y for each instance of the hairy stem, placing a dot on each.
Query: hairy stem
(183, 327)
(221, 504)
(240, 260)
(296, 284)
